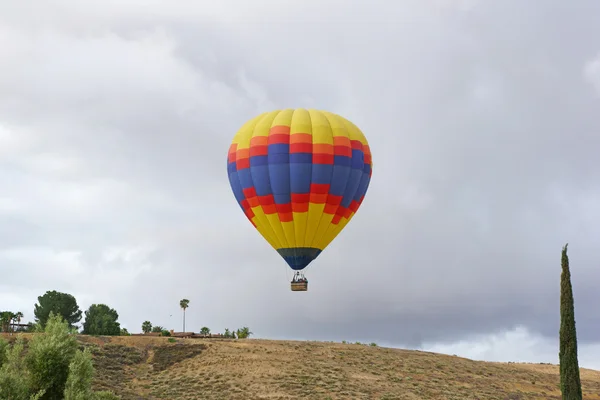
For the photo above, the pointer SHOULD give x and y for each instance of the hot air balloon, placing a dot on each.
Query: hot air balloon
(299, 176)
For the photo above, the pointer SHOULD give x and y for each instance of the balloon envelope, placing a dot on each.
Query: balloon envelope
(299, 176)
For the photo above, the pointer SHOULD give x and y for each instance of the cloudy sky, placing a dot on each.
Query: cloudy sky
(482, 116)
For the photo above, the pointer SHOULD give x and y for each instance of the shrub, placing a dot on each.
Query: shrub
(53, 368)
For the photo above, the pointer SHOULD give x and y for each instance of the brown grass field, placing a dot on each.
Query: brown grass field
(153, 368)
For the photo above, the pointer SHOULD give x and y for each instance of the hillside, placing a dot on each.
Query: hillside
(153, 368)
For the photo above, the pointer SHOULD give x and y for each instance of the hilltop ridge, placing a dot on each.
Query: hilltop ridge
(154, 368)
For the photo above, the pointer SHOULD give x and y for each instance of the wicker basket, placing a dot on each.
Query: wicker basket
(299, 286)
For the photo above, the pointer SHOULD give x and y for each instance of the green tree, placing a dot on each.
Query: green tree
(79, 380)
(100, 319)
(53, 368)
(243, 333)
(227, 333)
(184, 303)
(6, 318)
(570, 383)
(49, 356)
(146, 326)
(14, 377)
(3, 349)
(125, 332)
(157, 329)
(62, 304)
(205, 330)
(17, 319)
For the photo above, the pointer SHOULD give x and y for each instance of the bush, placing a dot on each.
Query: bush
(3, 347)
(49, 357)
(53, 368)
(165, 333)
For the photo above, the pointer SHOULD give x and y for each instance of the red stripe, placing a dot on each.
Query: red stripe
(301, 148)
(300, 197)
(319, 188)
(262, 150)
(317, 198)
(249, 192)
(242, 163)
(300, 202)
(279, 139)
(245, 205)
(334, 200)
(284, 208)
(323, 159)
(300, 207)
(357, 144)
(267, 200)
(286, 217)
(342, 151)
(269, 208)
(330, 208)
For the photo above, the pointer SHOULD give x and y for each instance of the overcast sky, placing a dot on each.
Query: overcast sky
(482, 117)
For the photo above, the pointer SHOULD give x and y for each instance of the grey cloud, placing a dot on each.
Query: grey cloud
(482, 123)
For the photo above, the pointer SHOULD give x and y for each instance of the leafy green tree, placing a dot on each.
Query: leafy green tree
(157, 329)
(243, 333)
(49, 356)
(14, 378)
(125, 332)
(205, 330)
(6, 318)
(227, 333)
(53, 368)
(59, 303)
(100, 319)
(184, 303)
(79, 380)
(570, 382)
(146, 326)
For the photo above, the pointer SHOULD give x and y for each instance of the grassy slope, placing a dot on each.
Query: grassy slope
(152, 368)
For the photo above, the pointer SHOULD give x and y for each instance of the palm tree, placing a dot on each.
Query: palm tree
(17, 319)
(243, 333)
(184, 303)
(146, 326)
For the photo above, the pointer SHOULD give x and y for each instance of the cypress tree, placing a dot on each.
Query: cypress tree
(570, 383)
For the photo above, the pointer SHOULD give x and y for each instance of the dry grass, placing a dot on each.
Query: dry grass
(152, 368)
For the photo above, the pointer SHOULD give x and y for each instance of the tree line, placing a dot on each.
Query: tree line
(100, 319)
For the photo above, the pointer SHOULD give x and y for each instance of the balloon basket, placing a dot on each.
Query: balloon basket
(299, 286)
